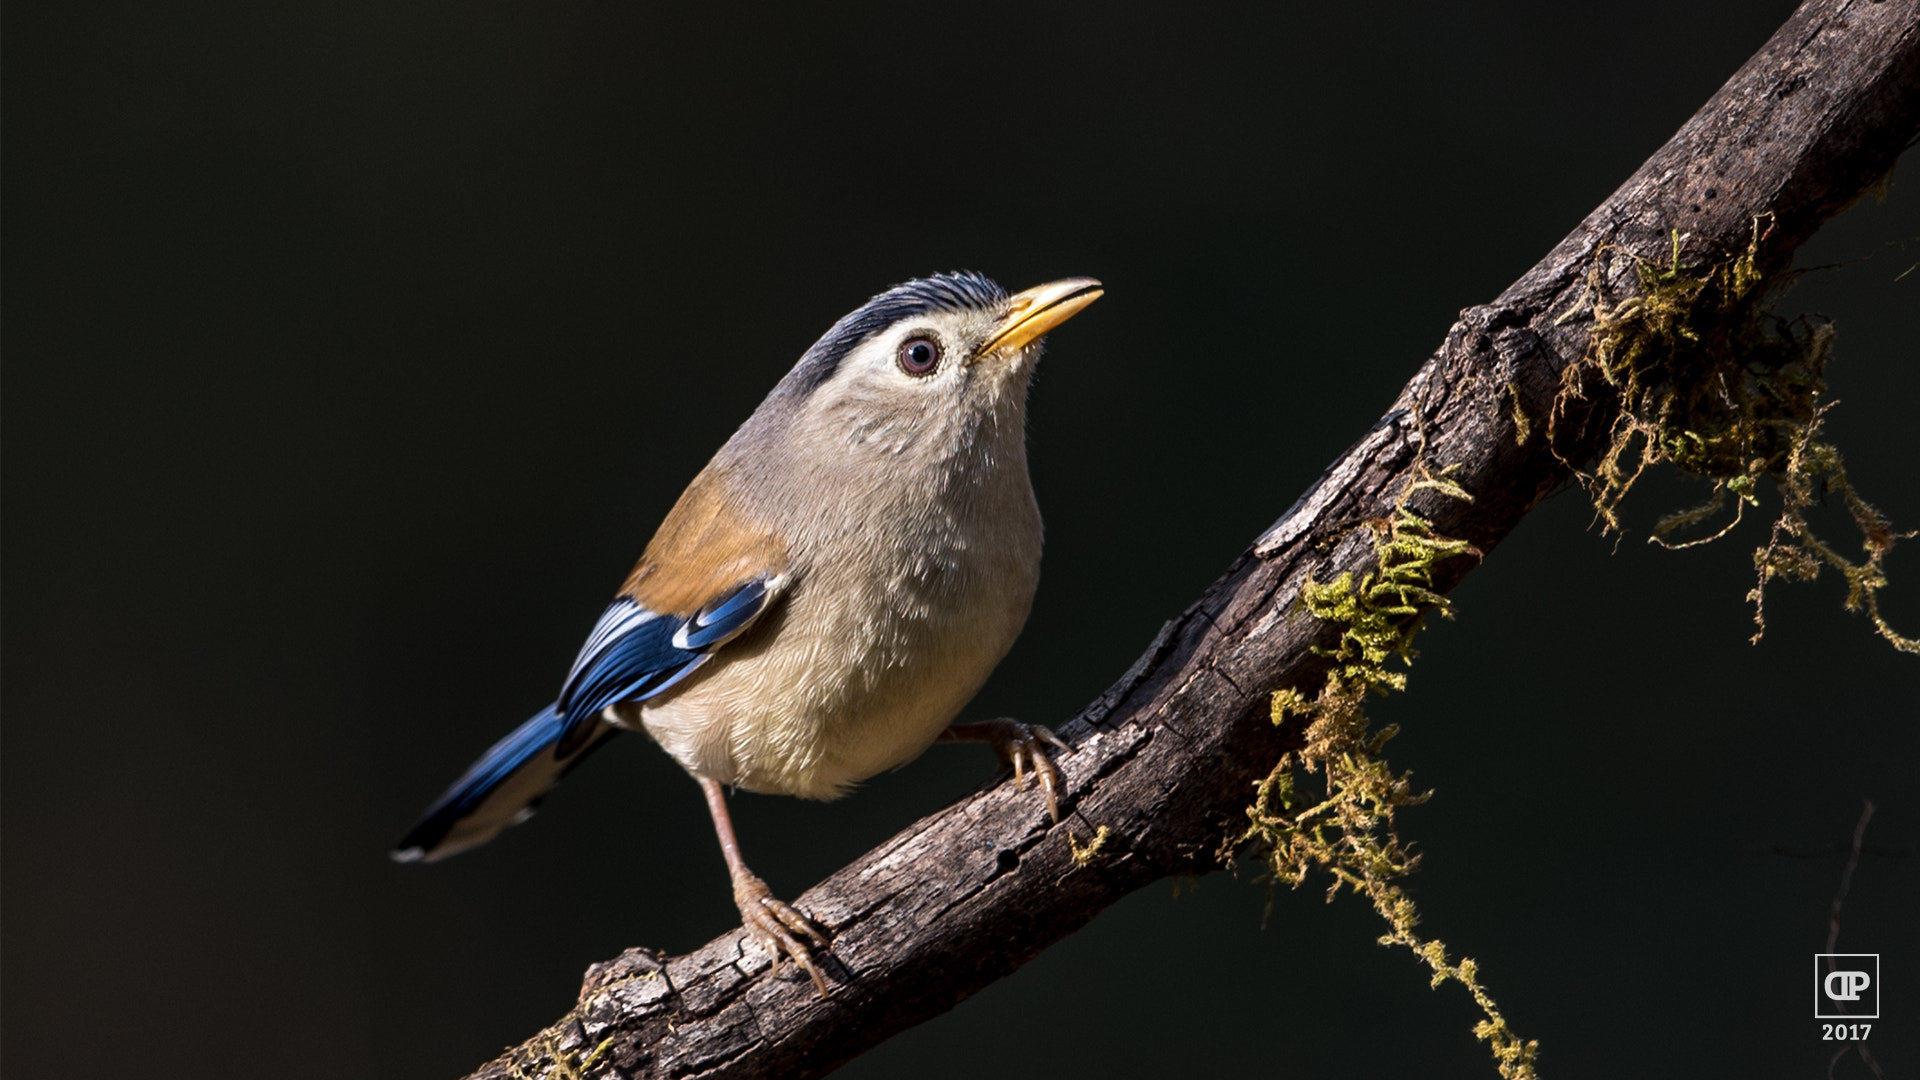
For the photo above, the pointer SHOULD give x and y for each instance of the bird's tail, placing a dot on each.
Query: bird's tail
(503, 788)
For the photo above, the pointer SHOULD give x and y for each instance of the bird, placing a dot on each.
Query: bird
(827, 594)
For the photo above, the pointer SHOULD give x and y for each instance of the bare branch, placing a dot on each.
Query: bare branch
(1846, 875)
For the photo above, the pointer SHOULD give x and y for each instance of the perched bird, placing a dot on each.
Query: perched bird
(828, 592)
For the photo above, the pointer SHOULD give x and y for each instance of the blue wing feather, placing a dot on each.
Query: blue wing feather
(631, 655)
(634, 654)
(715, 624)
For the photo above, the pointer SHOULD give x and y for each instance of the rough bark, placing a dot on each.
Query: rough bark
(1168, 757)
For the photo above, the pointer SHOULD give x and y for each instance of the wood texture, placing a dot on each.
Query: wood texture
(1166, 759)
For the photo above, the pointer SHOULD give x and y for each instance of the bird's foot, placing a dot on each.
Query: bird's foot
(1024, 746)
(779, 926)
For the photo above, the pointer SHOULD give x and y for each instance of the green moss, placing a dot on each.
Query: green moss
(1522, 423)
(564, 1066)
(1710, 381)
(1085, 856)
(1329, 806)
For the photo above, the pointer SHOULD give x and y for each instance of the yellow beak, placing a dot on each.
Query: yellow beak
(1032, 313)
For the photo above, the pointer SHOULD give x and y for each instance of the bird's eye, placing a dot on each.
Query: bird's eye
(919, 355)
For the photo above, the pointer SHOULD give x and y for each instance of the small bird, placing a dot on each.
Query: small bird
(829, 591)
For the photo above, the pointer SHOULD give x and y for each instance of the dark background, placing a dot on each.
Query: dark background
(354, 349)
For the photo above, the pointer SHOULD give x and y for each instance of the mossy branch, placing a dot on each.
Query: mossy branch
(1714, 383)
(1347, 827)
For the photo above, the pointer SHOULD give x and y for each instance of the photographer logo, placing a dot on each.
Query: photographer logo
(1846, 986)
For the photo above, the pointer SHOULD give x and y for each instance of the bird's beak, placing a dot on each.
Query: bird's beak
(1032, 313)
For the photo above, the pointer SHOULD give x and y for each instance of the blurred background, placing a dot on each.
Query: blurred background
(353, 350)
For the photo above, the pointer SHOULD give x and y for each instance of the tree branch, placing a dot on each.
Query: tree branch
(1166, 760)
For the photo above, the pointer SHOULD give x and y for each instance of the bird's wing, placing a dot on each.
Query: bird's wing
(635, 653)
(706, 576)
(703, 581)
(632, 654)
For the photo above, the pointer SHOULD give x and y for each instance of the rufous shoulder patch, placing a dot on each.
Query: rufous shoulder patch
(702, 550)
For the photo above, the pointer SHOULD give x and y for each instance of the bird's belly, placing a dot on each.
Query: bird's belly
(816, 699)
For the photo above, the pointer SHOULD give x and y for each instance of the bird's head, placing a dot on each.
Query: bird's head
(919, 368)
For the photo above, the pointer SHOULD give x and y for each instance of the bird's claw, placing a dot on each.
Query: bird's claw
(779, 926)
(1024, 746)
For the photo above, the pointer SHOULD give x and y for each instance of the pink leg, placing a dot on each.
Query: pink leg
(772, 923)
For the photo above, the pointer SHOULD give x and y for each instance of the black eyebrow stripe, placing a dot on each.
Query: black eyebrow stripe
(962, 290)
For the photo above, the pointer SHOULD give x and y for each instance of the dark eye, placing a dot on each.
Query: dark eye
(919, 355)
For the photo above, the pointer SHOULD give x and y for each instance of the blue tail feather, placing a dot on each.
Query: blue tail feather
(501, 789)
